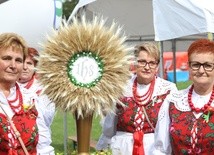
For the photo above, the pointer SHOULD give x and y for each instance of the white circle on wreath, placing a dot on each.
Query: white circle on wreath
(85, 70)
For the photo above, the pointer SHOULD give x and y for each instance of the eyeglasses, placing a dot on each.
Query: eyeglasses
(194, 65)
(143, 63)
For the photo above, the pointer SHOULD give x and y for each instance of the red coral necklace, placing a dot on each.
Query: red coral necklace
(197, 110)
(29, 84)
(144, 99)
(18, 107)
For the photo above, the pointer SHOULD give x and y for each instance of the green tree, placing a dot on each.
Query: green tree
(68, 7)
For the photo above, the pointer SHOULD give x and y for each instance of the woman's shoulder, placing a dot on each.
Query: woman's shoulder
(26, 91)
(164, 82)
(180, 99)
(183, 93)
(162, 86)
(28, 94)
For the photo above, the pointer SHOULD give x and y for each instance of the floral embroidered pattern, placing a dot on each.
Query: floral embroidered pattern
(126, 115)
(26, 125)
(181, 126)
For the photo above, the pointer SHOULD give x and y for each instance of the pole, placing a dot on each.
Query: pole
(210, 36)
(174, 60)
(83, 125)
(161, 70)
(65, 132)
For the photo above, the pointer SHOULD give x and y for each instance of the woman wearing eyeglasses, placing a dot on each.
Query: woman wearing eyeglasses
(131, 130)
(186, 119)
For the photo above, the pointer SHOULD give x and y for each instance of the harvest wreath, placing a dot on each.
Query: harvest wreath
(84, 66)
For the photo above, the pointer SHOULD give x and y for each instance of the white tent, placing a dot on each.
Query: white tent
(178, 18)
(136, 17)
(32, 19)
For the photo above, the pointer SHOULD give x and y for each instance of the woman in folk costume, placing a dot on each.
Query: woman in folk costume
(131, 130)
(20, 110)
(186, 120)
(18, 128)
(28, 80)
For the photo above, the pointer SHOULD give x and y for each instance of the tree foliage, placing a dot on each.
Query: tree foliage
(68, 7)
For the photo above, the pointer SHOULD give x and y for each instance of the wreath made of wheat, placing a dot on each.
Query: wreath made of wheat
(84, 66)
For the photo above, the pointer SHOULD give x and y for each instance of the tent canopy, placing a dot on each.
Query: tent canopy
(32, 19)
(135, 16)
(178, 18)
(157, 19)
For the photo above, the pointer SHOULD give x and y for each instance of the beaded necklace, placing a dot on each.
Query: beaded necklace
(18, 97)
(197, 110)
(144, 99)
(29, 84)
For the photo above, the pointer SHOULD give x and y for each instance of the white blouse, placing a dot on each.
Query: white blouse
(180, 100)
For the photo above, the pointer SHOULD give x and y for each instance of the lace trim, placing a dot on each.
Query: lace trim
(180, 100)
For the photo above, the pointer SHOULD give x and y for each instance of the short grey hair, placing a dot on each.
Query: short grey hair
(150, 47)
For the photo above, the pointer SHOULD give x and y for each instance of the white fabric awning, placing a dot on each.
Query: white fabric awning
(135, 16)
(32, 19)
(178, 18)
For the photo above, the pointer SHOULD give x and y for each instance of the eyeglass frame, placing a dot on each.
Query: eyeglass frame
(146, 62)
(201, 64)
